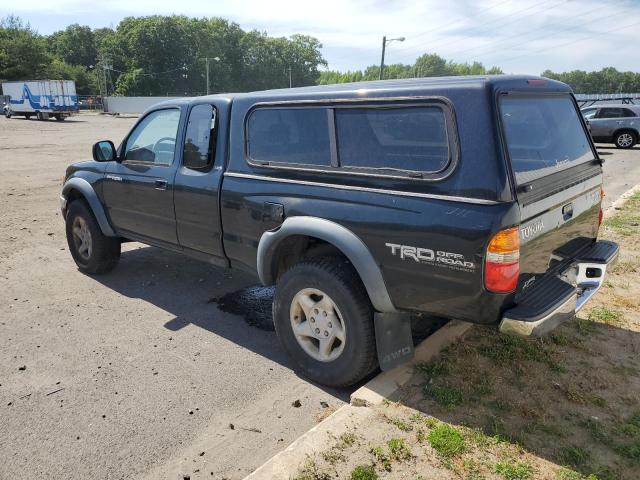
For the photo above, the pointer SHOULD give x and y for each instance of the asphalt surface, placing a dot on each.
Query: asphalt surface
(156, 370)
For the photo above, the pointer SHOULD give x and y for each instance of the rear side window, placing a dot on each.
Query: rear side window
(627, 113)
(544, 135)
(200, 140)
(290, 135)
(611, 113)
(403, 138)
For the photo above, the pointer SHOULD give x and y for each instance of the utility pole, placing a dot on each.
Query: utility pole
(290, 84)
(207, 62)
(384, 46)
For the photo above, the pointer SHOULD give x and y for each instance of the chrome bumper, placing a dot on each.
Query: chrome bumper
(588, 280)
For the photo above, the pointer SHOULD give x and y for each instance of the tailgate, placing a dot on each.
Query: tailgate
(558, 180)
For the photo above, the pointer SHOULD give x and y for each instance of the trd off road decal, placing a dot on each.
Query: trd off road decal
(439, 258)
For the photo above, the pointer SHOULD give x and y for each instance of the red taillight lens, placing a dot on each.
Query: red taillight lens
(502, 262)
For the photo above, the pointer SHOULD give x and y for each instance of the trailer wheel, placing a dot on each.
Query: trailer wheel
(60, 117)
(39, 116)
(27, 116)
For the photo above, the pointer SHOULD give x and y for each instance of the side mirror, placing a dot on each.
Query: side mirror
(104, 151)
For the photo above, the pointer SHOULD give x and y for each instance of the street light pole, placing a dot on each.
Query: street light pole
(384, 47)
(206, 60)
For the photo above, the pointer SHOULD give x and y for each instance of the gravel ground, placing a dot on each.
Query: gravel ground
(137, 373)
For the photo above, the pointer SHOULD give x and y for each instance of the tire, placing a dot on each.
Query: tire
(60, 118)
(28, 116)
(330, 282)
(625, 139)
(98, 253)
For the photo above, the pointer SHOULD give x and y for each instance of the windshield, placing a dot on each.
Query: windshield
(544, 135)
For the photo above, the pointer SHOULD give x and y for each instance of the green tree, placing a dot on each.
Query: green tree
(23, 53)
(74, 45)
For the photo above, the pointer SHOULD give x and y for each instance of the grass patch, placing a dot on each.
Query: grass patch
(364, 472)
(310, 471)
(508, 350)
(514, 471)
(400, 424)
(573, 456)
(446, 440)
(446, 396)
(585, 327)
(398, 449)
(606, 315)
(432, 369)
(381, 458)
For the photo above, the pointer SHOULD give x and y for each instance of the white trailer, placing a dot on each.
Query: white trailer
(40, 98)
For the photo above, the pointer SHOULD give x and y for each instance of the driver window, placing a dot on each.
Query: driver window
(154, 138)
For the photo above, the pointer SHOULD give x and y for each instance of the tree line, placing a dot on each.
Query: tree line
(159, 55)
(167, 55)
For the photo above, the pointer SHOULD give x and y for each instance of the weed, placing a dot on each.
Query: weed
(499, 405)
(364, 472)
(446, 396)
(333, 456)
(514, 471)
(566, 474)
(381, 458)
(310, 471)
(432, 369)
(585, 327)
(580, 396)
(573, 456)
(348, 439)
(400, 424)
(446, 440)
(509, 351)
(596, 429)
(482, 385)
(399, 450)
(604, 314)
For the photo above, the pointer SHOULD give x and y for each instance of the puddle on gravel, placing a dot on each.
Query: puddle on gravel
(254, 305)
(251, 303)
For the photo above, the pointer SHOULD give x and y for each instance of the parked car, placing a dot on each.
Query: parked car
(618, 124)
(473, 198)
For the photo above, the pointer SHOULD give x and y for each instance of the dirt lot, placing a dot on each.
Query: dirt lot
(563, 407)
(138, 373)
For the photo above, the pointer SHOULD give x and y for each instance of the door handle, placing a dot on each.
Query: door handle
(161, 184)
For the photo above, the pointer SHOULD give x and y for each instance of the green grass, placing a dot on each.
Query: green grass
(446, 396)
(401, 424)
(573, 456)
(627, 221)
(514, 471)
(510, 351)
(446, 440)
(585, 327)
(399, 450)
(310, 471)
(605, 315)
(432, 369)
(364, 472)
(381, 458)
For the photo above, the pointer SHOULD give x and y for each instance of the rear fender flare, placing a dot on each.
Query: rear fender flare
(89, 194)
(338, 236)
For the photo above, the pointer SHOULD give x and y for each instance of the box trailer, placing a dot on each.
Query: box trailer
(40, 98)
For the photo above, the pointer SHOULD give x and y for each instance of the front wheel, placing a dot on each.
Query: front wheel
(324, 320)
(92, 251)
(625, 139)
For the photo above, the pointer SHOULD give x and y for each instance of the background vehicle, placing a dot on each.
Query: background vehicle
(41, 98)
(618, 124)
(363, 203)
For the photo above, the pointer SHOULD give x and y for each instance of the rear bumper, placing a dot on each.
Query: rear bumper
(556, 299)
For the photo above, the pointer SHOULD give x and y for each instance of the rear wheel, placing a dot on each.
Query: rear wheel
(92, 251)
(324, 320)
(625, 139)
(60, 117)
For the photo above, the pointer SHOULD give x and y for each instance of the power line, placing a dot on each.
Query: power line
(571, 42)
(569, 29)
(501, 40)
(439, 44)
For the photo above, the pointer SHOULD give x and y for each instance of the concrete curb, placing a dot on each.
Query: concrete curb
(284, 464)
(621, 200)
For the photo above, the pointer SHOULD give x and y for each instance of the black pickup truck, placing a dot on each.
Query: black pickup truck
(472, 198)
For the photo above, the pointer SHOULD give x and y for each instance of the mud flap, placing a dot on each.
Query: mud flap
(393, 339)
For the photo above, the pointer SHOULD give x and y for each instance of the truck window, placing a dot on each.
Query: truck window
(153, 140)
(200, 139)
(289, 135)
(544, 135)
(398, 138)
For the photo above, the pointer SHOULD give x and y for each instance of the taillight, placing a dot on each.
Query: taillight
(502, 263)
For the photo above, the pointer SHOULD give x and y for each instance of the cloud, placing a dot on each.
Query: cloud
(518, 35)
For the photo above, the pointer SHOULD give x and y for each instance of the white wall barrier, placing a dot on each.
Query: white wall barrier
(131, 104)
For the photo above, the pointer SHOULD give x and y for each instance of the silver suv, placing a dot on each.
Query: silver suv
(618, 124)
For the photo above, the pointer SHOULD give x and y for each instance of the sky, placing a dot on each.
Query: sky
(520, 36)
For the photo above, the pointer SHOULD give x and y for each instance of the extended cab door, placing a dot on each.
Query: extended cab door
(198, 179)
(138, 189)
